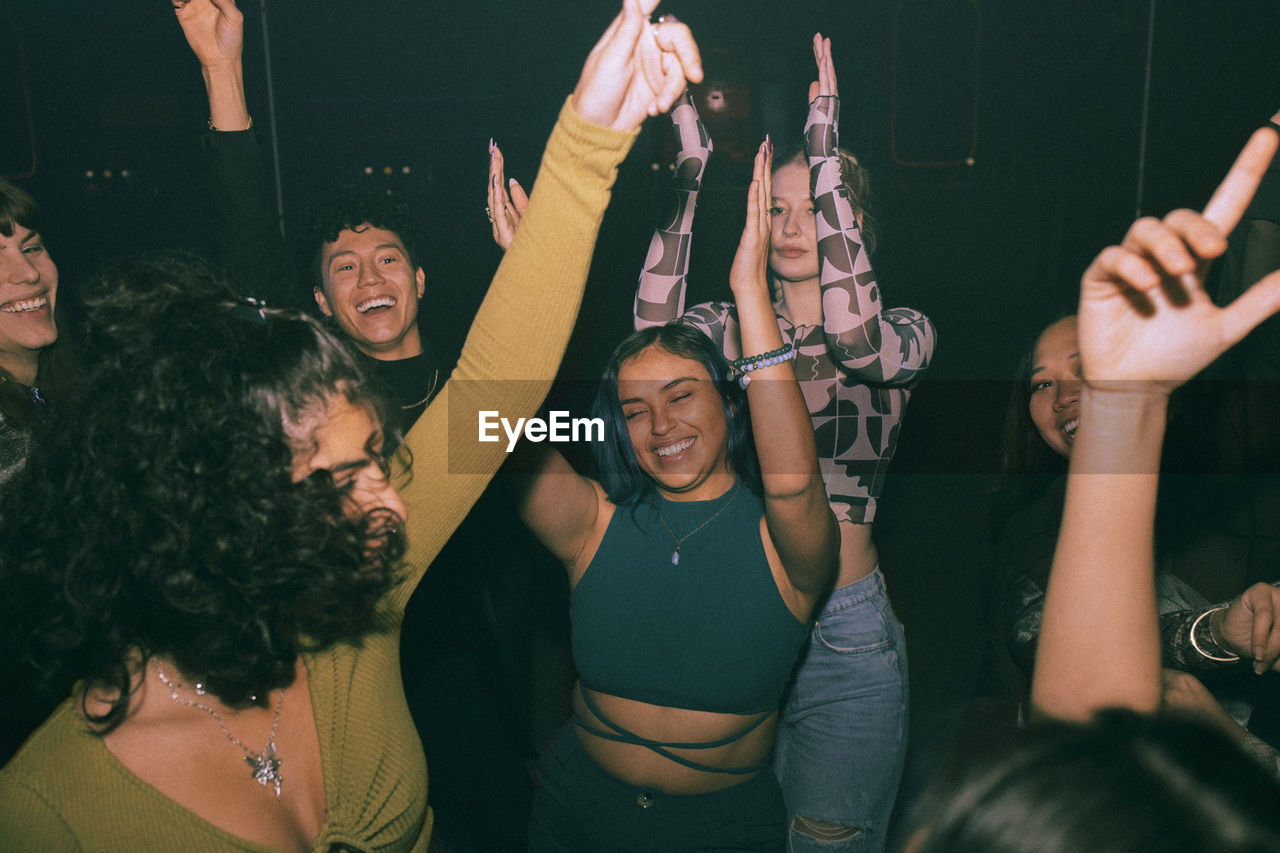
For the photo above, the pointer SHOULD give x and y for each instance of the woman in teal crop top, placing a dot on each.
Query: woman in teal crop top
(693, 579)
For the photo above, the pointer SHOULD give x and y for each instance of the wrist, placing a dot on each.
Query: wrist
(224, 84)
(1123, 403)
(225, 69)
(1217, 623)
(1119, 433)
(746, 286)
(1204, 637)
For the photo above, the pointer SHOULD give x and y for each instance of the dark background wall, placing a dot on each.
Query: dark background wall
(1006, 140)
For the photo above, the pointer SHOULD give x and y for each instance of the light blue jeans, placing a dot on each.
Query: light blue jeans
(842, 738)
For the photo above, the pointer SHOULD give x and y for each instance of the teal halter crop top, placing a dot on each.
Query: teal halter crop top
(710, 633)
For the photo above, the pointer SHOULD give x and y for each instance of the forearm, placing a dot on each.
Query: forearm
(779, 418)
(661, 290)
(516, 342)
(861, 336)
(224, 84)
(1099, 642)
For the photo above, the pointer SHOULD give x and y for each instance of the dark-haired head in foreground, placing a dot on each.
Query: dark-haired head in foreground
(214, 496)
(1123, 783)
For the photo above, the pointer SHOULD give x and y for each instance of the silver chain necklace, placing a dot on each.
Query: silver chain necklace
(264, 765)
(679, 540)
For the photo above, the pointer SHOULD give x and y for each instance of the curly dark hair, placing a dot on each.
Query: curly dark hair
(343, 210)
(620, 474)
(159, 515)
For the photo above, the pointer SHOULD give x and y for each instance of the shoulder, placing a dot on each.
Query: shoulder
(30, 822)
(56, 782)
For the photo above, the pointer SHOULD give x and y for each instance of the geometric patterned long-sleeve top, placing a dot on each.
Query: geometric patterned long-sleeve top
(857, 369)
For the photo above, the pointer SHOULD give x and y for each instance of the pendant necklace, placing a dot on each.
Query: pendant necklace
(679, 540)
(264, 765)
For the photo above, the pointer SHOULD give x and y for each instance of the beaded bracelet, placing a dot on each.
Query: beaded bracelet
(745, 365)
(741, 363)
(1206, 645)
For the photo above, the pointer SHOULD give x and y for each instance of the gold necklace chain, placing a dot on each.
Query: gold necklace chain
(675, 555)
(264, 765)
(435, 378)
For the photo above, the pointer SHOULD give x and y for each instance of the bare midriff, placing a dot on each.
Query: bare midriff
(858, 556)
(640, 766)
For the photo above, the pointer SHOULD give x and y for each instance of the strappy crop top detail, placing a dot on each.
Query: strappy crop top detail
(711, 633)
(622, 735)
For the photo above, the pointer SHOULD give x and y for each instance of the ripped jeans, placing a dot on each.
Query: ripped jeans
(842, 737)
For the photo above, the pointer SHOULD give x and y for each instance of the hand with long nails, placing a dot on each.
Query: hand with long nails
(507, 200)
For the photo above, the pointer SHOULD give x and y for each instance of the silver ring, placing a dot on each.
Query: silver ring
(488, 212)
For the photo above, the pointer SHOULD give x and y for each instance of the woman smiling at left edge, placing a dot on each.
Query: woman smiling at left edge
(28, 330)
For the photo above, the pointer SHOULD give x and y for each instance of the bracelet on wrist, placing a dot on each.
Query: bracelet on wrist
(1203, 641)
(743, 366)
(215, 130)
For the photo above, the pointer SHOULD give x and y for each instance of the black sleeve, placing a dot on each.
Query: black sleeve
(246, 231)
(1024, 555)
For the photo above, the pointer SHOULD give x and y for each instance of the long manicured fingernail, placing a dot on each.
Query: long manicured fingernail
(490, 146)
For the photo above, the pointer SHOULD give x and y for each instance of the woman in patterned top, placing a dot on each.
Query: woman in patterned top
(842, 739)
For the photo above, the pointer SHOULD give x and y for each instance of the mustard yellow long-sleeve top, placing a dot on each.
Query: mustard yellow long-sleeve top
(64, 790)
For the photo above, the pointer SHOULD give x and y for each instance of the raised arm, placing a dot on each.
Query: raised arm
(891, 346)
(797, 513)
(246, 232)
(215, 31)
(513, 350)
(1146, 327)
(660, 292)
